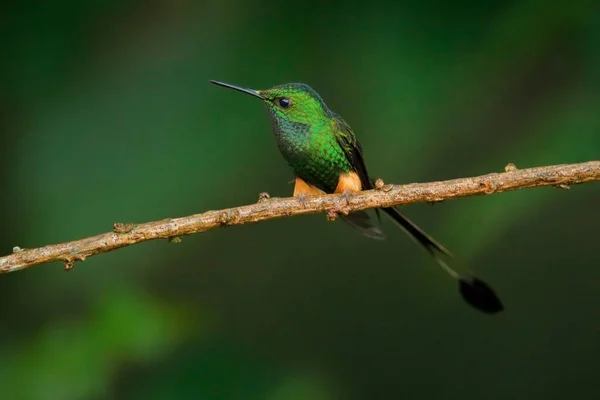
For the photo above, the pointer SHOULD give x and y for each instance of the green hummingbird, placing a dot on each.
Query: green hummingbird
(326, 157)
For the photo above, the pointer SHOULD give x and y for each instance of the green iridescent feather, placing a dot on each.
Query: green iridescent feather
(305, 136)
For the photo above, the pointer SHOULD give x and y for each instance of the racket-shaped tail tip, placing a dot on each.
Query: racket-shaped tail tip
(479, 295)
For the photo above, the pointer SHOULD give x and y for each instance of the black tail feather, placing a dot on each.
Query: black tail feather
(474, 291)
(364, 223)
(417, 233)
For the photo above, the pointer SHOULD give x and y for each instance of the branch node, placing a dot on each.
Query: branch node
(510, 167)
(69, 264)
(223, 220)
(70, 261)
(331, 215)
(562, 186)
(174, 239)
(489, 186)
(263, 196)
(229, 217)
(119, 227)
(380, 185)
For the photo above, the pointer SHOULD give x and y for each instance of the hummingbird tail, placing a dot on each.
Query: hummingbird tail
(364, 223)
(473, 290)
(417, 233)
(430, 244)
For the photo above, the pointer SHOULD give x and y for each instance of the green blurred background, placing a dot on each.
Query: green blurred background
(107, 116)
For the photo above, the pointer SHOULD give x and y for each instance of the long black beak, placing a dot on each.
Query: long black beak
(251, 92)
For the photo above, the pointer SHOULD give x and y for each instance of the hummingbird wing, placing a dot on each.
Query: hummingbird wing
(353, 149)
(360, 220)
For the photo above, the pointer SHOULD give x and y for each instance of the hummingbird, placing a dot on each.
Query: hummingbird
(325, 156)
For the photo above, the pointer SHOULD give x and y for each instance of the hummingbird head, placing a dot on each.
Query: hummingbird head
(289, 104)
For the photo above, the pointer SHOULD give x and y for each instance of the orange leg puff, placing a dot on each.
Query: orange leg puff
(302, 188)
(349, 181)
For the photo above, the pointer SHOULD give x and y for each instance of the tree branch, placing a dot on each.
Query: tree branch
(270, 208)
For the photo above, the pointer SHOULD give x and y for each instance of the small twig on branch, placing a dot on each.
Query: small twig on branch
(266, 208)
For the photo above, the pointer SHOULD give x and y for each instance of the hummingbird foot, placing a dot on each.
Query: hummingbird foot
(302, 197)
(346, 195)
(340, 209)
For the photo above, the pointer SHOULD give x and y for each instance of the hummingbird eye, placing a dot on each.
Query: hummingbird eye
(283, 102)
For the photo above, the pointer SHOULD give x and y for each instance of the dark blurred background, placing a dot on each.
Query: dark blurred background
(107, 116)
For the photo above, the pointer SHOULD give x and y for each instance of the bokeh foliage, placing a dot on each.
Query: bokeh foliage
(107, 115)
